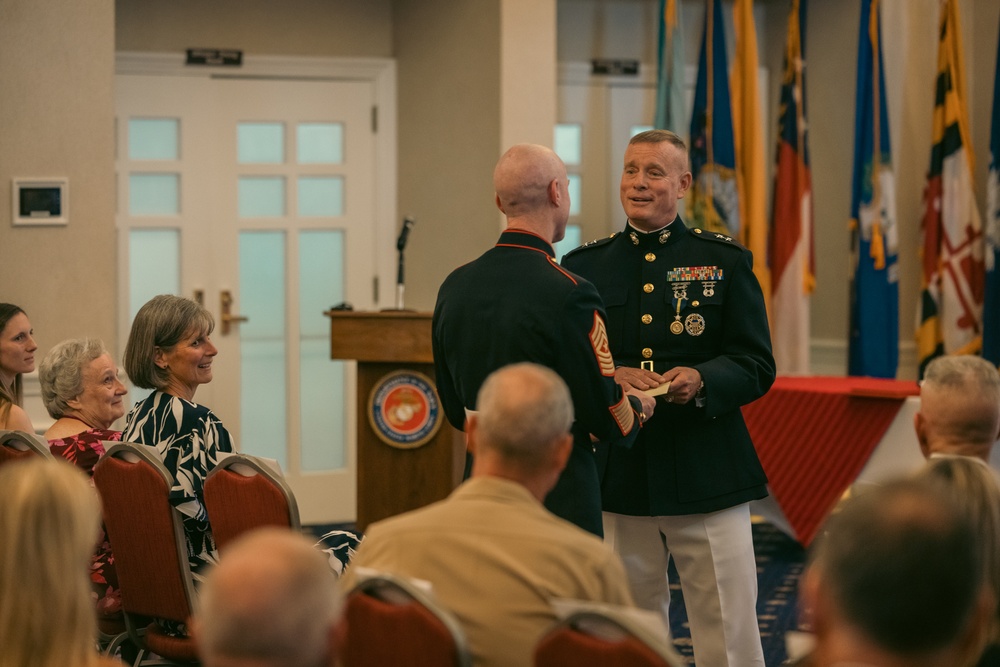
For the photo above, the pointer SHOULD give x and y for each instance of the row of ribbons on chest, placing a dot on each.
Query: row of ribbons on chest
(679, 280)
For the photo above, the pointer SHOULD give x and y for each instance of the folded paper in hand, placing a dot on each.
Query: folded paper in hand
(658, 391)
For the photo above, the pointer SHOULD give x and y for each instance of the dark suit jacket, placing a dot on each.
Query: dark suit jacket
(516, 304)
(688, 459)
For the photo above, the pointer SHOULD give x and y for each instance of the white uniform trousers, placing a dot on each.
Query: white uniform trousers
(713, 554)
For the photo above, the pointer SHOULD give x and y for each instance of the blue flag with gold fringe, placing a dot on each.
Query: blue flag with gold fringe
(874, 334)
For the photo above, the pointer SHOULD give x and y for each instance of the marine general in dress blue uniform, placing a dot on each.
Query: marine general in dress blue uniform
(515, 303)
(684, 307)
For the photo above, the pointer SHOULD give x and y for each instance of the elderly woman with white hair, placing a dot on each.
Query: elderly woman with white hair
(82, 392)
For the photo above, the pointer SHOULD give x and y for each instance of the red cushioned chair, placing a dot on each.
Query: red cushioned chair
(18, 445)
(390, 622)
(242, 493)
(603, 638)
(150, 548)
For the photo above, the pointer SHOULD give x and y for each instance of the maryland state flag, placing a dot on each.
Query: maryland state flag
(670, 70)
(713, 200)
(951, 304)
(991, 304)
(874, 336)
(791, 245)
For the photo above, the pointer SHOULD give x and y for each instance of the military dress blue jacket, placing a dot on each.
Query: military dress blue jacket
(683, 297)
(513, 304)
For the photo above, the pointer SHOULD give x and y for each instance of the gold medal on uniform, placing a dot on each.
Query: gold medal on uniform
(694, 323)
(676, 327)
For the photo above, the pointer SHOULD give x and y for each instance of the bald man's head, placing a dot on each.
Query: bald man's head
(272, 600)
(525, 177)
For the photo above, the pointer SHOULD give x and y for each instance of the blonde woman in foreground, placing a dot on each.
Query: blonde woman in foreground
(49, 521)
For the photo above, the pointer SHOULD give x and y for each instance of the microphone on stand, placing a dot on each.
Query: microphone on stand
(404, 235)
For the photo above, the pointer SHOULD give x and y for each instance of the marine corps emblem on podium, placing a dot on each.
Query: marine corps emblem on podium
(404, 409)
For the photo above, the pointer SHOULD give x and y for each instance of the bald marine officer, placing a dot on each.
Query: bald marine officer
(684, 307)
(515, 303)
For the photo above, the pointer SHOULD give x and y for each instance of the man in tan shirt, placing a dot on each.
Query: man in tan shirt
(493, 554)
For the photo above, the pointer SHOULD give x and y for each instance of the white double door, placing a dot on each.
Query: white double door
(257, 196)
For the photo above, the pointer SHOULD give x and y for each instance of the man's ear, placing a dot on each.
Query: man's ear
(496, 199)
(686, 180)
(554, 192)
(920, 426)
(471, 434)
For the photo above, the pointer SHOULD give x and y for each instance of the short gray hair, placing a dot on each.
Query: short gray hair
(273, 599)
(658, 137)
(522, 411)
(161, 323)
(964, 371)
(61, 372)
(891, 550)
(976, 380)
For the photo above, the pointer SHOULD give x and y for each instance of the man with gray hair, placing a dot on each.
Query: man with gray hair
(271, 602)
(897, 580)
(959, 407)
(493, 554)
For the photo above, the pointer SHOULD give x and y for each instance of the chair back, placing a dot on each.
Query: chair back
(147, 538)
(241, 493)
(19, 445)
(391, 622)
(602, 638)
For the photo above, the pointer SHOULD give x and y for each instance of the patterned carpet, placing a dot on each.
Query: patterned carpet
(780, 561)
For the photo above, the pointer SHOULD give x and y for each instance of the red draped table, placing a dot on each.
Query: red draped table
(814, 435)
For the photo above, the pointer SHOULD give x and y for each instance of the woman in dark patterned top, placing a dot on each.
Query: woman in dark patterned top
(82, 392)
(169, 351)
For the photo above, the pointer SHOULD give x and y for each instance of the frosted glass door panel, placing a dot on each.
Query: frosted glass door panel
(321, 143)
(262, 344)
(569, 142)
(321, 196)
(261, 196)
(153, 139)
(260, 143)
(154, 194)
(154, 265)
(575, 194)
(323, 397)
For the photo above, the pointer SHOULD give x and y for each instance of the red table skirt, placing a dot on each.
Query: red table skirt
(814, 435)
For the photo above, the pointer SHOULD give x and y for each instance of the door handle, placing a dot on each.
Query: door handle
(226, 307)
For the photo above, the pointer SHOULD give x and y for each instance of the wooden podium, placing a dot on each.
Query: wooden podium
(393, 348)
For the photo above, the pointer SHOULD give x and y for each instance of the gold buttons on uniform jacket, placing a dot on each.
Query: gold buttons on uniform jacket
(650, 257)
(695, 304)
(646, 353)
(647, 318)
(647, 288)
